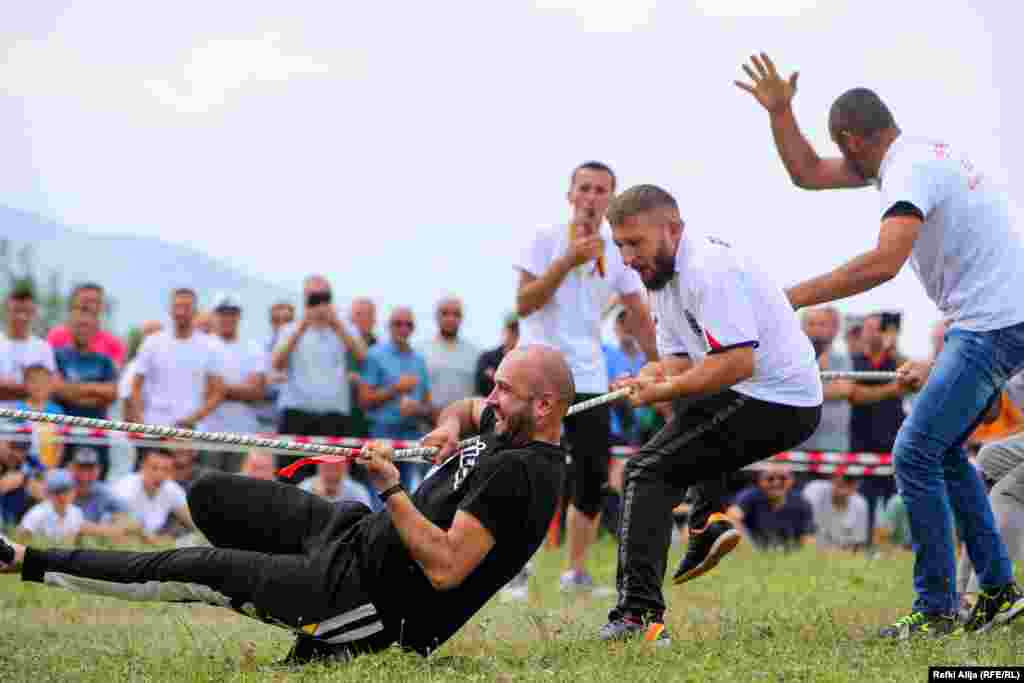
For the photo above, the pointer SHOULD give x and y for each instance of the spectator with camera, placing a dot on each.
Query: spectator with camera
(316, 398)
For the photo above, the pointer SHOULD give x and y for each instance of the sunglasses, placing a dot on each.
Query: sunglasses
(401, 323)
(775, 477)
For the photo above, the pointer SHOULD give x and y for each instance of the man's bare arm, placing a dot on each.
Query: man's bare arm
(805, 167)
(12, 391)
(252, 390)
(446, 557)
(534, 292)
(641, 324)
(895, 243)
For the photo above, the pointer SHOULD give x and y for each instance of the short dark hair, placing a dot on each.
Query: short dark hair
(150, 451)
(78, 289)
(184, 291)
(592, 166)
(35, 367)
(22, 291)
(860, 111)
(637, 200)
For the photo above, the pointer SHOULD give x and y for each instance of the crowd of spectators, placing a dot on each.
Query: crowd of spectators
(321, 371)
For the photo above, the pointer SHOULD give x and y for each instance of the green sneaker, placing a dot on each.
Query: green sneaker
(995, 609)
(920, 624)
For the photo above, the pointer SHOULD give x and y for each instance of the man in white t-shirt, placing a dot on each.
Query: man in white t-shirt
(56, 518)
(451, 359)
(840, 513)
(151, 495)
(952, 223)
(567, 277)
(177, 379)
(244, 368)
(20, 349)
(734, 357)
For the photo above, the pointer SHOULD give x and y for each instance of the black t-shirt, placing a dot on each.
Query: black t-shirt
(873, 427)
(512, 490)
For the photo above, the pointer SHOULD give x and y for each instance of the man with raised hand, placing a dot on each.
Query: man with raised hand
(567, 276)
(346, 580)
(945, 216)
(732, 349)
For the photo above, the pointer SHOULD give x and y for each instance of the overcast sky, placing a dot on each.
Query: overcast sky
(407, 149)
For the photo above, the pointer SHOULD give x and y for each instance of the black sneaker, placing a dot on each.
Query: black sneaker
(995, 609)
(918, 624)
(6, 552)
(307, 650)
(707, 547)
(625, 628)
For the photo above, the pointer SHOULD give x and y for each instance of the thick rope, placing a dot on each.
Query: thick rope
(421, 454)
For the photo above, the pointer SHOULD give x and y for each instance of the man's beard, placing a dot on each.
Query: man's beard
(449, 335)
(664, 271)
(518, 428)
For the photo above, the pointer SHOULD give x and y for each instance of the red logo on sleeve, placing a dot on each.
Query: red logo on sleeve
(712, 342)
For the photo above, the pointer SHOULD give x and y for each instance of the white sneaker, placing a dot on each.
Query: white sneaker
(573, 581)
(518, 589)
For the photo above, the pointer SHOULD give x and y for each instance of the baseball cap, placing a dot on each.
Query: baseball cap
(226, 301)
(86, 456)
(59, 481)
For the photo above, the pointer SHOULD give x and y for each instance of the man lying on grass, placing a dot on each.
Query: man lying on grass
(346, 580)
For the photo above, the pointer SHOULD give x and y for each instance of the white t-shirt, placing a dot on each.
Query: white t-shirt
(968, 255)
(43, 519)
(452, 370)
(317, 370)
(350, 491)
(571, 320)
(16, 355)
(175, 372)
(151, 513)
(239, 360)
(837, 528)
(718, 300)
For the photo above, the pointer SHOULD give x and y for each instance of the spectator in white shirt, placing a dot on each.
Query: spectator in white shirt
(177, 373)
(451, 360)
(20, 349)
(244, 367)
(56, 518)
(840, 513)
(151, 495)
(333, 483)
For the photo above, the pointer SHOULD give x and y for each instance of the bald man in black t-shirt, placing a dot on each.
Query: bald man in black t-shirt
(346, 580)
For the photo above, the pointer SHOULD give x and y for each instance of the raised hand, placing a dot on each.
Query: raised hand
(770, 90)
(585, 249)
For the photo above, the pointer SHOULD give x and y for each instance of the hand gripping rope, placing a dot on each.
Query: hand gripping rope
(321, 452)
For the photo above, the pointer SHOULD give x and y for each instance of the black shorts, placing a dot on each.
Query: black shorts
(589, 444)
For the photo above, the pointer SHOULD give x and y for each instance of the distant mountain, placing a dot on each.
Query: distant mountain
(140, 271)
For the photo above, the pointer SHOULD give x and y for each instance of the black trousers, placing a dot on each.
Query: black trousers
(589, 441)
(699, 448)
(281, 555)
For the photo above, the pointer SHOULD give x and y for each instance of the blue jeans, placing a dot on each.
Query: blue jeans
(412, 473)
(934, 475)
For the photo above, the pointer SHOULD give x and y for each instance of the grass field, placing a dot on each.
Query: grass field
(758, 617)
